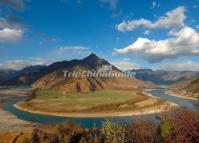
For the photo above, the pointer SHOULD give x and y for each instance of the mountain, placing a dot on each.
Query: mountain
(7, 74)
(162, 77)
(54, 78)
(30, 69)
(25, 76)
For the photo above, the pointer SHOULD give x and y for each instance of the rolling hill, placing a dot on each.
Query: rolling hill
(188, 88)
(193, 86)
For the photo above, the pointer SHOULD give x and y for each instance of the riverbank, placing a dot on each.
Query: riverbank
(151, 105)
(8, 121)
(167, 106)
(177, 94)
(7, 87)
(18, 92)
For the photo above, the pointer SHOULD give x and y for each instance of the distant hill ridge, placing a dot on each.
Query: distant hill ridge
(192, 86)
(163, 77)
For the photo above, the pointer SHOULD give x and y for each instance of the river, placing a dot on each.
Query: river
(89, 122)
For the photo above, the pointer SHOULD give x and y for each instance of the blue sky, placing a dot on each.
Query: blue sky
(128, 33)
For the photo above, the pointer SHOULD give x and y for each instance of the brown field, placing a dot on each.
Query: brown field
(50, 101)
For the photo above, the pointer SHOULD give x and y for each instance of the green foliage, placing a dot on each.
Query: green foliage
(165, 127)
(113, 132)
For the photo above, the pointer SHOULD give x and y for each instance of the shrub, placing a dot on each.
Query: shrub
(91, 136)
(165, 127)
(113, 132)
(39, 136)
(185, 128)
(141, 132)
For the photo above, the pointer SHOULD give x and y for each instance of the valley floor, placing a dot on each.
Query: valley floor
(105, 103)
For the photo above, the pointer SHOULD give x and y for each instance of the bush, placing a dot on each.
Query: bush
(141, 132)
(39, 136)
(181, 127)
(91, 136)
(113, 132)
(165, 127)
(184, 128)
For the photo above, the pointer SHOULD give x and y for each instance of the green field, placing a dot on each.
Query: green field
(104, 100)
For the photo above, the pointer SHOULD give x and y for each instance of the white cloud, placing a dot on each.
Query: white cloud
(182, 66)
(155, 4)
(112, 3)
(147, 32)
(8, 34)
(197, 26)
(181, 43)
(172, 19)
(73, 48)
(20, 64)
(10, 22)
(48, 40)
(125, 64)
(10, 29)
(68, 53)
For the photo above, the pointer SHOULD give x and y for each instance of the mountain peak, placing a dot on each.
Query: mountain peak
(92, 57)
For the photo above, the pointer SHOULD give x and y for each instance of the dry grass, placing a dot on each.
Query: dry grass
(99, 101)
(14, 136)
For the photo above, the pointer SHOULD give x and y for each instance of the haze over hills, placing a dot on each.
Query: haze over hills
(163, 77)
(7, 74)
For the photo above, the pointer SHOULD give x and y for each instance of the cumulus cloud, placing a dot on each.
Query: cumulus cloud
(16, 4)
(8, 34)
(20, 64)
(172, 19)
(10, 22)
(184, 42)
(11, 28)
(182, 66)
(112, 3)
(125, 64)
